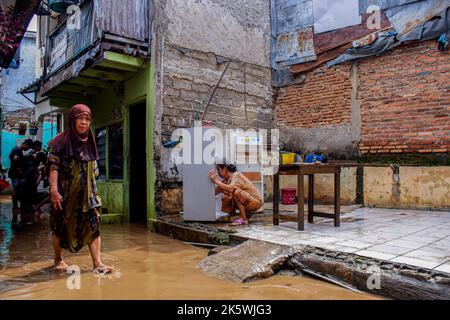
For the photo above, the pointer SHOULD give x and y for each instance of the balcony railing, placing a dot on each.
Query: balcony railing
(72, 37)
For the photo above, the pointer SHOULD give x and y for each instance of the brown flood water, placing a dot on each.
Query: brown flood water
(148, 266)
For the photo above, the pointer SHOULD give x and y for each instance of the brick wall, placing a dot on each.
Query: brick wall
(244, 99)
(189, 79)
(322, 99)
(405, 100)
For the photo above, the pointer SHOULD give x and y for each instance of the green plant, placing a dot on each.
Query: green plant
(219, 237)
(34, 125)
(23, 125)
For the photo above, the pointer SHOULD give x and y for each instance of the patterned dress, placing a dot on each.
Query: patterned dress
(77, 224)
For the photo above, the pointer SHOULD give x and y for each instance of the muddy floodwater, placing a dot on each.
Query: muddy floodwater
(147, 266)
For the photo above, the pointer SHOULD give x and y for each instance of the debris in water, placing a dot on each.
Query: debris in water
(248, 261)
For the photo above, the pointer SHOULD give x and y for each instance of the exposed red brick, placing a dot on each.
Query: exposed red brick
(322, 99)
(404, 95)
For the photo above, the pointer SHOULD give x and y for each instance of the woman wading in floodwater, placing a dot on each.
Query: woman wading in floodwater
(76, 213)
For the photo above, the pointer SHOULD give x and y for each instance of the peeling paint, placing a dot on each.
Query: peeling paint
(417, 188)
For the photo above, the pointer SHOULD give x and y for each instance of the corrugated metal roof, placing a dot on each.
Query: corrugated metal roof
(292, 15)
(332, 39)
(126, 18)
(407, 17)
(382, 4)
(31, 87)
(296, 47)
(321, 59)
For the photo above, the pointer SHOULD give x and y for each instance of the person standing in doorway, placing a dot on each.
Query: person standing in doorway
(76, 214)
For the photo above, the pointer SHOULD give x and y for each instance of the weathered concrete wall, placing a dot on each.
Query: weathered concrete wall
(242, 100)
(236, 29)
(334, 140)
(413, 187)
(195, 39)
(323, 187)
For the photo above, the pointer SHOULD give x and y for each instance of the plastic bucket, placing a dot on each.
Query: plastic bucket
(287, 158)
(288, 196)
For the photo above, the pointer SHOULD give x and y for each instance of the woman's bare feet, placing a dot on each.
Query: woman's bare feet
(61, 266)
(103, 269)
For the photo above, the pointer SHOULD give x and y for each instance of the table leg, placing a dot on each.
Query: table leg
(310, 198)
(337, 199)
(276, 199)
(301, 202)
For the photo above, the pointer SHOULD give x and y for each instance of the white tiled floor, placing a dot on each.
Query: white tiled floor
(416, 237)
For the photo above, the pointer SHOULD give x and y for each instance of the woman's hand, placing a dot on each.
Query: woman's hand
(213, 176)
(56, 200)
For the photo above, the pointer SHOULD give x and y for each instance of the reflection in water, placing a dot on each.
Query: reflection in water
(148, 266)
(6, 236)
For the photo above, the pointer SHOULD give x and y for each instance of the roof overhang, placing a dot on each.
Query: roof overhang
(90, 74)
(17, 16)
(33, 87)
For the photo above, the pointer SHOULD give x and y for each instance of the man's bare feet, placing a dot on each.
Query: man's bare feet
(103, 269)
(61, 266)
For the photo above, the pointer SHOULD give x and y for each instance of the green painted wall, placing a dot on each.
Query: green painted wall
(139, 89)
(115, 193)
(112, 195)
(111, 191)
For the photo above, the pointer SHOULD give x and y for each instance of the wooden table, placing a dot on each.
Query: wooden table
(300, 170)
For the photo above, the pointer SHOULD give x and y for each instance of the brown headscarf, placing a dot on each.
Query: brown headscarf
(70, 144)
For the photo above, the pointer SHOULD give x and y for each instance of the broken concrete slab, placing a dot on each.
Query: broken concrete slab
(248, 261)
(218, 249)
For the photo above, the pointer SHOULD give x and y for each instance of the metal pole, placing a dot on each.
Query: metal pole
(214, 91)
(320, 276)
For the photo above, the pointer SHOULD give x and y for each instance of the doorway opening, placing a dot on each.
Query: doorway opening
(138, 163)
